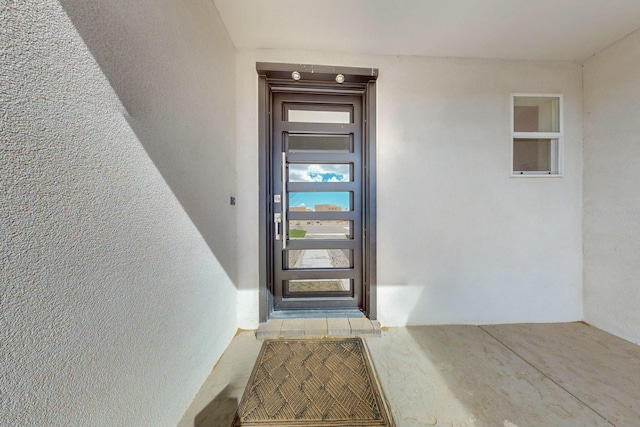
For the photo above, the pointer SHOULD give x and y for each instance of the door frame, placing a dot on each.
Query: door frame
(277, 77)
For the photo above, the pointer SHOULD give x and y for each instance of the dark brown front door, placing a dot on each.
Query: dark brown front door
(317, 179)
(317, 194)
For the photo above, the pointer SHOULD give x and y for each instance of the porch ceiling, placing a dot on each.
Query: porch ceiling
(503, 29)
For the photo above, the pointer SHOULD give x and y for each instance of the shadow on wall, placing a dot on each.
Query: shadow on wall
(219, 412)
(172, 65)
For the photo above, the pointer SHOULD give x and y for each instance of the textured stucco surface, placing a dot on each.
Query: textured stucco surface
(113, 307)
(171, 65)
(458, 240)
(612, 189)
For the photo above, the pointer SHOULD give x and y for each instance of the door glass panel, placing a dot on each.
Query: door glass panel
(310, 201)
(319, 258)
(303, 143)
(315, 229)
(319, 116)
(319, 172)
(319, 285)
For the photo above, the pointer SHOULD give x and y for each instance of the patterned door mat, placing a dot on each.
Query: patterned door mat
(313, 382)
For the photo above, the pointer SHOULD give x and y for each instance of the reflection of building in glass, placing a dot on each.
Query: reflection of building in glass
(318, 208)
(324, 223)
(327, 207)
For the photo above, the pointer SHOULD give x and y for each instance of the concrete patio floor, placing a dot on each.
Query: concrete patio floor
(568, 374)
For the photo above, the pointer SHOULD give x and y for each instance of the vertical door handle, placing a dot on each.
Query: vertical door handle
(284, 200)
(277, 218)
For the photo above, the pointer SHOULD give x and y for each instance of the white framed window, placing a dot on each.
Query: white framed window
(536, 135)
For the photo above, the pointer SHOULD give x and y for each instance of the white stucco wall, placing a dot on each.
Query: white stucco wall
(612, 189)
(171, 65)
(458, 240)
(113, 307)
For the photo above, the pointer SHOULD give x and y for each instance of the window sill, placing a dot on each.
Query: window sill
(536, 175)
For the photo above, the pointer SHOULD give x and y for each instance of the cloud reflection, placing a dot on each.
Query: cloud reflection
(299, 172)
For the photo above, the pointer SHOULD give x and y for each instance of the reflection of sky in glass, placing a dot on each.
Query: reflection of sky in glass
(304, 172)
(319, 172)
(309, 200)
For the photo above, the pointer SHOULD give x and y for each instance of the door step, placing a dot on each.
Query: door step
(329, 327)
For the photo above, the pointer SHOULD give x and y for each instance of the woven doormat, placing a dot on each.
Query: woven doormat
(313, 382)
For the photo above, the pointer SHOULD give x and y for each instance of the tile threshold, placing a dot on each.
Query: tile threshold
(320, 327)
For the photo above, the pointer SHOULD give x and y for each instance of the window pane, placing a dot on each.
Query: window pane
(320, 285)
(318, 258)
(536, 114)
(300, 143)
(535, 155)
(319, 116)
(320, 201)
(320, 172)
(316, 229)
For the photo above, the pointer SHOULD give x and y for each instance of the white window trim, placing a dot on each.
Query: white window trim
(541, 135)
